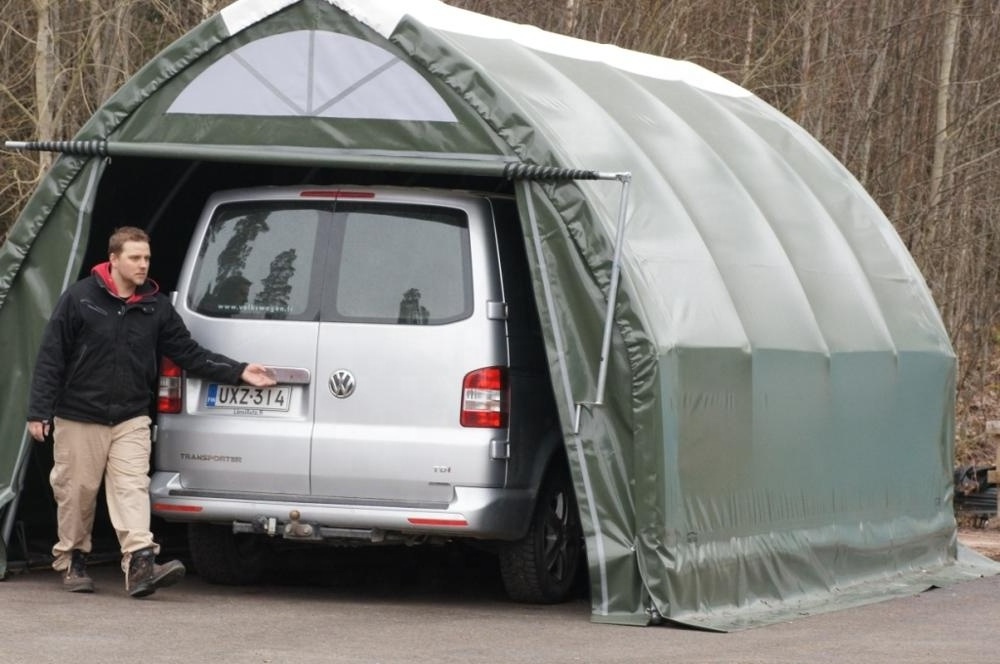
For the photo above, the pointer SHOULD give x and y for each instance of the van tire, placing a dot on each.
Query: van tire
(542, 567)
(223, 557)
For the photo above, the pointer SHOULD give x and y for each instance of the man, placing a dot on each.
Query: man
(92, 392)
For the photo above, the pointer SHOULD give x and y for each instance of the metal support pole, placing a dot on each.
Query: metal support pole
(616, 270)
(609, 315)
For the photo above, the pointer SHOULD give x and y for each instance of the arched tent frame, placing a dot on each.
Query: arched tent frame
(775, 437)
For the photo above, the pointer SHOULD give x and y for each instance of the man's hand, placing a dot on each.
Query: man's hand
(258, 375)
(38, 430)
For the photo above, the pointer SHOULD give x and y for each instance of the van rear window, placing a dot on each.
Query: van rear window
(347, 262)
(260, 260)
(405, 265)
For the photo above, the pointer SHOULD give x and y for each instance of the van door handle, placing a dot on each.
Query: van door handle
(290, 375)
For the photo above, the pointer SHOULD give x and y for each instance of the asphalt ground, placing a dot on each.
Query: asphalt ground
(387, 606)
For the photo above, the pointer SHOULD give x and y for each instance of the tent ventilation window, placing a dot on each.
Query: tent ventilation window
(313, 73)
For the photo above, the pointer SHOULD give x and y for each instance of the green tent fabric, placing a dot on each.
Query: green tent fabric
(775, 436)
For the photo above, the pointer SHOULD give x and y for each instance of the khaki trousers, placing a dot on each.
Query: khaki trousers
(84, 453)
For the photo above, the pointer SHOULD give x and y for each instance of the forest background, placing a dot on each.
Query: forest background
(906, 93)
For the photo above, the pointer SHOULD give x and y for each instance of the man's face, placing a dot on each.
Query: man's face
(132, 264)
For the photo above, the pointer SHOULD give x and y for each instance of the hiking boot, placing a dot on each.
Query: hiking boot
(144, 576)
(76, 579)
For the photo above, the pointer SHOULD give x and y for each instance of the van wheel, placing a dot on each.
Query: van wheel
(542, 567)
(221, 556)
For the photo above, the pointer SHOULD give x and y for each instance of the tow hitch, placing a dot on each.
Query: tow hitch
(300, 531)
(296, 530)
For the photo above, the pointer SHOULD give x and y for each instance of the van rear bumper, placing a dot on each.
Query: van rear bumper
(474, 512)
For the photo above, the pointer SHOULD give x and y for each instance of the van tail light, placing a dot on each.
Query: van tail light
(169, 398)
(484, 398)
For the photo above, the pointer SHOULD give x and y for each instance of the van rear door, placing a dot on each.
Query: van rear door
(254, 293)
(408, 282)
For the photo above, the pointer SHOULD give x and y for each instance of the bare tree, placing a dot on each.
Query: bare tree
(46, 74)
(951, 15)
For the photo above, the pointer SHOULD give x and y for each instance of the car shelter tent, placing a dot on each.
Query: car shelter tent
(775, 433)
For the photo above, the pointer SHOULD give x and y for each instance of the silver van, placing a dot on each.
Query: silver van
(414, 402)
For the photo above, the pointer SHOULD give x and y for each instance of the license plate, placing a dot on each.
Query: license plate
(246, 396)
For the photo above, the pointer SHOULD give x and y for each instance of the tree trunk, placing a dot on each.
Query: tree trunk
(805, 66)
(952, 14)
(570, 17)
(748, 47)
(46, 67)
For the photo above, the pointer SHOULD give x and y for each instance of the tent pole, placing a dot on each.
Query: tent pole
(609, 314)
(616, 270)
(10, 517)
(379, 160)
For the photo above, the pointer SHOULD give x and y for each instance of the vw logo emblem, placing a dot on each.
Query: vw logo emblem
(342, 383)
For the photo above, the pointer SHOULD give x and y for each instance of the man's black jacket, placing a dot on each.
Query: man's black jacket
(99, 356)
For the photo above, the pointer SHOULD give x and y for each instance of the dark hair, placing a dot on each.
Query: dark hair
(125, 234)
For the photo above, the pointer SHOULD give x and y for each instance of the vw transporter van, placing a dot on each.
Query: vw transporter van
(413, 401)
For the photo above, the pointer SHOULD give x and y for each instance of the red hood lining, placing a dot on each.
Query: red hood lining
(103, 272)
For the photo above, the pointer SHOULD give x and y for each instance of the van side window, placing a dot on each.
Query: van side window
(402, 265)
(260, 261)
